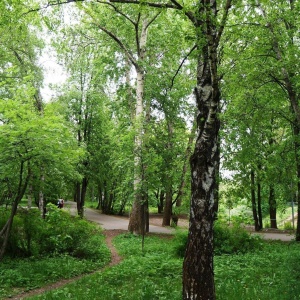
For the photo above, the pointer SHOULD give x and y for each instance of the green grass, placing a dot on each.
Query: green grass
(270, 273)
(42, 251)
(26, 274)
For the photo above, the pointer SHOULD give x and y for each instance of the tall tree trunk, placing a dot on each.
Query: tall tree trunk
(30, 196)
(40, 108)
(77, 196)
(136, 221)
(4, 234)
(5, 231)
(42, 205)
(169, 180)
(168, 207)
(99, 196)
(260, 224)
(81, 189)
(198, 276)
(218, 177)
(160, 197)
(297, 158)
(272, 207)
(253, 201)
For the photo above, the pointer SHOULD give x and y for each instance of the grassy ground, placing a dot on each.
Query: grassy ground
(155, 273)
(27, 274)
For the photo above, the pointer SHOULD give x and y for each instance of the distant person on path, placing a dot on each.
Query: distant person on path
(60, 203)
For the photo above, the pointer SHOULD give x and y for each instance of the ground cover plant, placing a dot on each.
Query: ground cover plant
(269, 272)
(45, 251)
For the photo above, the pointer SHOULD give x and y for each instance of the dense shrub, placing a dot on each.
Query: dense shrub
(58, 234)
(227, 240)
(235, 239)
(23, 232)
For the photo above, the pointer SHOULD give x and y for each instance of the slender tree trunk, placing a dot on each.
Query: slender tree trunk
(40, 108)
(160, 197)
(216, 192)
(272, 207)
(253, 201)
(78, 197)
(99, 197)
(105, 199)
(30, 193)
(5, 231)
(168, 207)
(161, 201)
(81, 193)
(297, 159)
(259, 205)
(4, 234)
(136, 221)
(169, 180)
(42, 205)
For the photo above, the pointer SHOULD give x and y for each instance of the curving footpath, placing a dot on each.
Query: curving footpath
(109, 222)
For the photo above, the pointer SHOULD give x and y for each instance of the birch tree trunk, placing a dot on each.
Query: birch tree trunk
(198, 274)
(136, 222)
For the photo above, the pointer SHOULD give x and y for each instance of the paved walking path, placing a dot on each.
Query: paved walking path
(285, 237)
(109, 222)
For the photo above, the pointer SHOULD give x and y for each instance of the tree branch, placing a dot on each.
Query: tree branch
(153, 19)
(185, 58)
(119, 42)
(49, 4)
(223, 21)
(152, 4)
(118, 11)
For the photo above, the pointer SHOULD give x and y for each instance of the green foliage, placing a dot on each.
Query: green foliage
(150, 275)
(288, 225)
(227, 240)
(31, 273)
(59, 234)
(156, 274)
(261, 275)
(60, 246)
(235, 239)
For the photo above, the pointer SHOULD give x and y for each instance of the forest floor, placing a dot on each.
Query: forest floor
(115, 225)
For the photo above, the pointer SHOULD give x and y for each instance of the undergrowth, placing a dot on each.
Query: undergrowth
(270, 272)
(43, 251)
